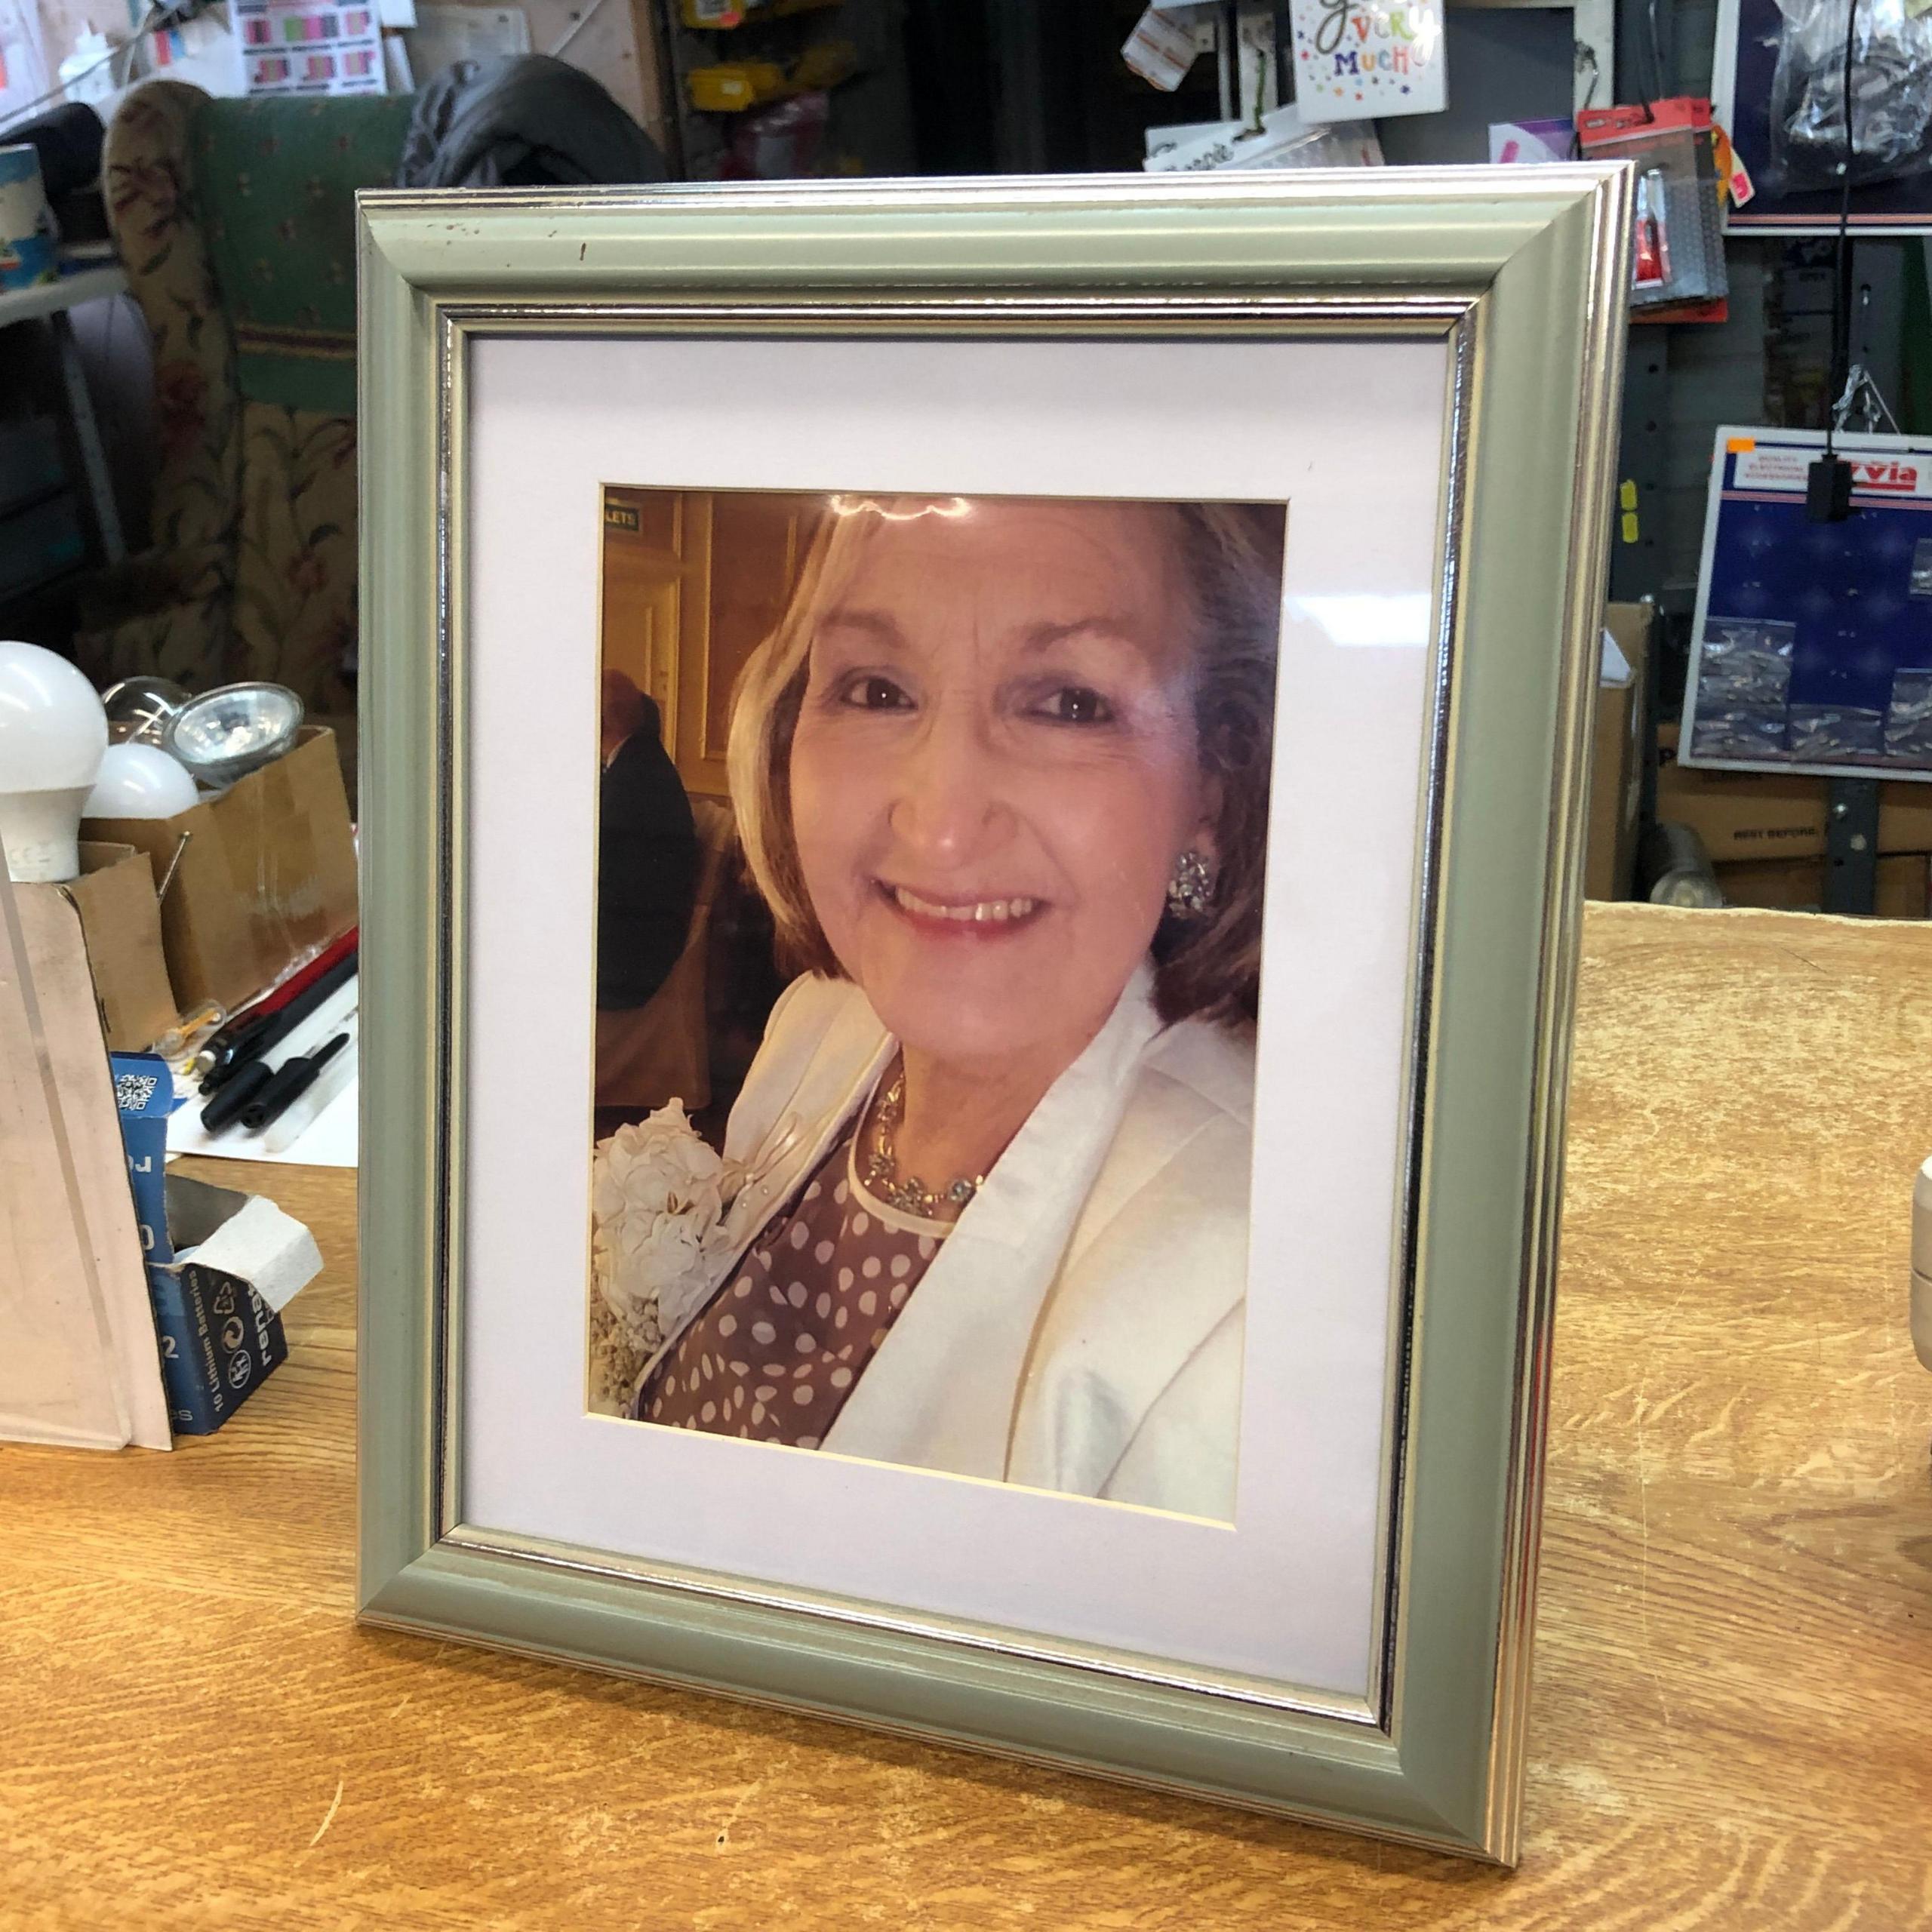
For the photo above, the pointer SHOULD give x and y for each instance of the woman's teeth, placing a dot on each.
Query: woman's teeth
(981, 912)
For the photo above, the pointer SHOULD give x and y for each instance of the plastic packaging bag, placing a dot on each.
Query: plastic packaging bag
(1678, 250)
(1891, 94)
(1909, 718)
(1743, 687)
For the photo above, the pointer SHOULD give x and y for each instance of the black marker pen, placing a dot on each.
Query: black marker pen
(288, 1083)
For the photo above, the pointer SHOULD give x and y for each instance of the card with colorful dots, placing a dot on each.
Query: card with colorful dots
(1359, 59)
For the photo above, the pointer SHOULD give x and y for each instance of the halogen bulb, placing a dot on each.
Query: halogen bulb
(225, 733)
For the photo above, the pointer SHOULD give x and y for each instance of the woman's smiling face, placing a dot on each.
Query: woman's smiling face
(995, 768)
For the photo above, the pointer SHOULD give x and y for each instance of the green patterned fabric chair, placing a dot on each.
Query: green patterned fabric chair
(235, 221)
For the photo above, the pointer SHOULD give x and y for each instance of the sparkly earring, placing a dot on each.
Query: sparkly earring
(1191, 891)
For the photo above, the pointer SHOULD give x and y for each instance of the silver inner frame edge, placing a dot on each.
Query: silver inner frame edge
(454, 320)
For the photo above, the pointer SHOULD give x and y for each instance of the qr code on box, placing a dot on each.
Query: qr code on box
(133, 1091)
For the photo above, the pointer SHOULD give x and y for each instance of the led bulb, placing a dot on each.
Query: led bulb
(53, 732)
(139, 781)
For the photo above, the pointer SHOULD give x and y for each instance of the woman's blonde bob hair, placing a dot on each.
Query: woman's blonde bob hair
(1230, 554)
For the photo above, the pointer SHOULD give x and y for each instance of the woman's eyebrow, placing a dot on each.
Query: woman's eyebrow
(880, 628)
(1108, 629)
(875, 624)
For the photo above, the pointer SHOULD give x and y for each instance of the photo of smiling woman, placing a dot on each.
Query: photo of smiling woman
(999, 772)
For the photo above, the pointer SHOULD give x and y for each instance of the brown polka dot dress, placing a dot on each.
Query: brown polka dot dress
(782, 1343)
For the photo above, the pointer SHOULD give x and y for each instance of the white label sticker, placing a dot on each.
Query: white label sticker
(1875, 473)
(1160, 50)
(1283, 141)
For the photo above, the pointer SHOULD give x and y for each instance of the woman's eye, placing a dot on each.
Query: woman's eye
(1076, 704)
(876, 693)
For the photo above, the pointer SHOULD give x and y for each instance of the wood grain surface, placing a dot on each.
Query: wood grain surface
(1733, 1720)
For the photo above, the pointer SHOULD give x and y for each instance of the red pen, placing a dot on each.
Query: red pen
(215, 1051)
(278, 997)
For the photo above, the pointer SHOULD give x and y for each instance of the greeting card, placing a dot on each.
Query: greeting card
(1356, 59)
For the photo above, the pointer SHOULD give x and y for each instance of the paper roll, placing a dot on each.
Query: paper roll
(26, 226)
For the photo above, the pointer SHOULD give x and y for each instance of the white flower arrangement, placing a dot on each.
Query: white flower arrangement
(659, 1195)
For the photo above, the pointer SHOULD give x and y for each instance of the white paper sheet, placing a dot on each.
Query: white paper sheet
(331, 1139)
(443, 35)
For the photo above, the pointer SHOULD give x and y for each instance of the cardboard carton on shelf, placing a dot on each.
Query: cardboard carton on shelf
(1617, 759)
(121, 927)
(1765, 815)
(1904, 890)
(253, 881)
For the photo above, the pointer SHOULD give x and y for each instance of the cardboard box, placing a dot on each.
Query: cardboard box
(1904, 890)
(78, 1363)
(221, 1266)
(254, 880)
(1766, 815)
(1616, 760)
(121, 924)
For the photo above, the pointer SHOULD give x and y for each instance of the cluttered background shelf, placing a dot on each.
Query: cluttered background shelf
(225, 185)
(1738, 1559)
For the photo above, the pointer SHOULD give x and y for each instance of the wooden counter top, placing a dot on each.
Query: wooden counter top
(1733, 1719)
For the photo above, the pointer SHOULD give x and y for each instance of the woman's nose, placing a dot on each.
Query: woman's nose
(947, 804)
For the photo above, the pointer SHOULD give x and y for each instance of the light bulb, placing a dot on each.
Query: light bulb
(225, 733)
(139, 781)
(53, 732)
(1688, 889)
(139, 707)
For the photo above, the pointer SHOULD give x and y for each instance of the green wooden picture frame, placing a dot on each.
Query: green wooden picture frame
(1523, 272)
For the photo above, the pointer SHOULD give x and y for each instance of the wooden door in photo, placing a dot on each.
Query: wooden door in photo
(694, 580)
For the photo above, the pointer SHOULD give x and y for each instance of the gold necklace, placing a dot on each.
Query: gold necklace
(910, 1195)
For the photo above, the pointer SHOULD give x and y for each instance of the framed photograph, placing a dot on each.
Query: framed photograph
(972, 797)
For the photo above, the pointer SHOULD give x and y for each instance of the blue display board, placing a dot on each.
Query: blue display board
(1812, 647)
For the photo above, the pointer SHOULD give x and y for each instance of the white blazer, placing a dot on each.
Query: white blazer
(1080, 1329)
